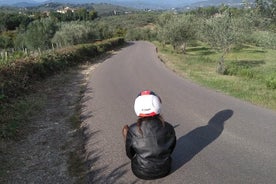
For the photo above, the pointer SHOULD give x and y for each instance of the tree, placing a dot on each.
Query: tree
(164, 19)
(105, 30)
(13, 20)
(223, 31)
(205, 12)
(55, 15)
(93, 15)
(81, 14)
(5, 41)
(38, 34)
(140, 34)
(179, 30)
(71, 33)
(267, 8)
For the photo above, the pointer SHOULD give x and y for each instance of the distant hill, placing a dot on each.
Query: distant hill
(137, 4)
(106, 9)
(219, 2)
(19, 3)
(102, 9)
(25, 4)
(140, 4)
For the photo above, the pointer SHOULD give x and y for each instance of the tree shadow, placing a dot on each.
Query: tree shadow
(200, 51)
(192, 143)
(90, 159)
(250, 63)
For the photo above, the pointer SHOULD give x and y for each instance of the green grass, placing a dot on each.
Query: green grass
(250, 71)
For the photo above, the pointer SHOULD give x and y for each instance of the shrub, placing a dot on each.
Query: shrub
(87, 50)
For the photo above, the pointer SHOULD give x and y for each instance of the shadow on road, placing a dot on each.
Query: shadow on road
(192, 143)
(93, 171)
(91, 158)
(93, 174)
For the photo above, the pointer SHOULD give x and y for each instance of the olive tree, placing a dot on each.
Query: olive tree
(267, 8)
(37, 35)
(223, 31)
(178, 30)
(71, 33)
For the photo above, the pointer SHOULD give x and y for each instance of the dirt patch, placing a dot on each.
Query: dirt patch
(50, 151)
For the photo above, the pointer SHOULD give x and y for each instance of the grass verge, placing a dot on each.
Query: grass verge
(250, 71)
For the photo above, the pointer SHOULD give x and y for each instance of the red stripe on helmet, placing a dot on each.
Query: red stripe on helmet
(147, 115)
(147, 92)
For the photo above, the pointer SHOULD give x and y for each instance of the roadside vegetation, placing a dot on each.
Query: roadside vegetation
(249, 74)
(33, 46)
(229, 49)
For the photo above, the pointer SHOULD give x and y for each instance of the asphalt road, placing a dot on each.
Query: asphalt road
(220, 139)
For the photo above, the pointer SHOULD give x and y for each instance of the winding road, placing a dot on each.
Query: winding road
(220, 139)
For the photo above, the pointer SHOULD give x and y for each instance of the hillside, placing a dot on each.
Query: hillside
(219, 2)
(141, 4)
(102, 9)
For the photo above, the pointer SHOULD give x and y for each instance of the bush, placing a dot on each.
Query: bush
(87, 50)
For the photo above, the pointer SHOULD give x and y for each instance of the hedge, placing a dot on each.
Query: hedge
(17, 77)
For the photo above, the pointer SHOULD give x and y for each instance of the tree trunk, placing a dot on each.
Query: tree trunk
(183, 48)
(221, 69)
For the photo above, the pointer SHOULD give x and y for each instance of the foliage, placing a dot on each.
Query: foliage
(105, 30)
(141, 34)
(224, 31)
(6, 40)
(104, 9)
(205, 12)
(10, 21)
(82, 14)
(129, 21)
(177, 30)
(38, 35)
(72, 33)
(17, 77)
(126, 25)
(267, 8)
(264, 39)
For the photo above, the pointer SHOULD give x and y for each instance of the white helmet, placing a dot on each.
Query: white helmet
(147, 104)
